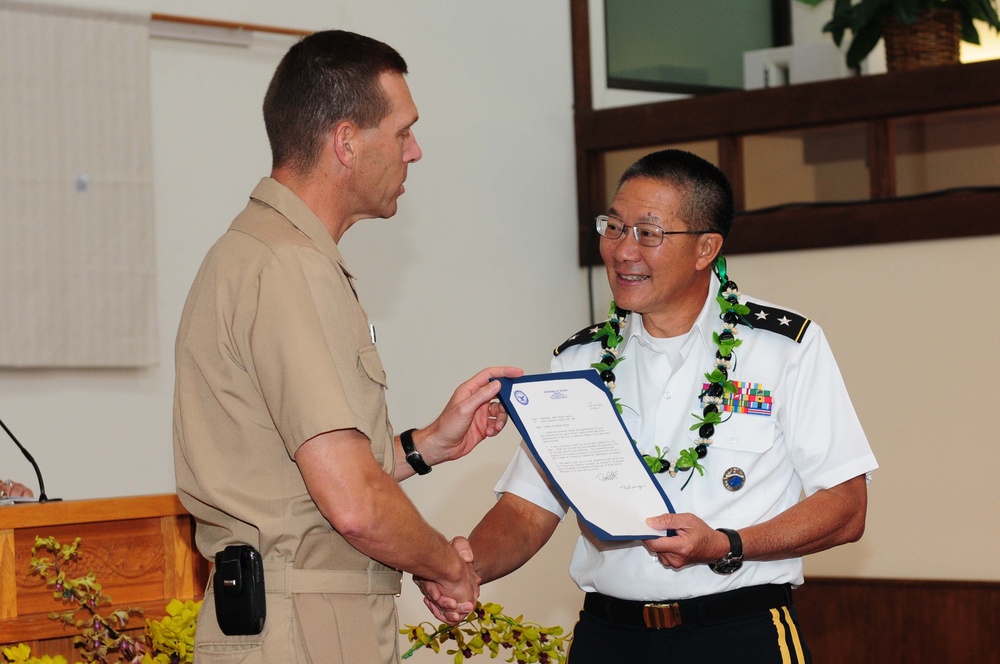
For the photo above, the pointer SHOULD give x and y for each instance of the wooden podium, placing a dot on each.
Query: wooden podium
(140, 548)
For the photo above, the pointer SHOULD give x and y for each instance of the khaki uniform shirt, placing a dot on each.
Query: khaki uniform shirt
(274, 349)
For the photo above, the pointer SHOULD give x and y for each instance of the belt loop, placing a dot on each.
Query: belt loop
(288, 579)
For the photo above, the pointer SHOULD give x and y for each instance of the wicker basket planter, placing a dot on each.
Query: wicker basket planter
(930, 41)
(931, 38)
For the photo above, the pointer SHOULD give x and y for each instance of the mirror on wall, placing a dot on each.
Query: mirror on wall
(688, 47)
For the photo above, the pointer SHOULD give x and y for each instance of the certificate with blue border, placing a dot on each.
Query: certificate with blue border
(570, 424)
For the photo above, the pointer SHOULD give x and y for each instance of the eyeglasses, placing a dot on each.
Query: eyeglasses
(646, 234)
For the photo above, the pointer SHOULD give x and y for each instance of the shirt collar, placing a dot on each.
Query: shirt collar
(283, 200)
(704, 325)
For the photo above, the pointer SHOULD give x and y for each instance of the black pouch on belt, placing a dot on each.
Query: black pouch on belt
(240, 607)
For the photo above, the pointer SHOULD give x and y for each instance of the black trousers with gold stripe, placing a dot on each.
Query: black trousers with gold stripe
(765, 636)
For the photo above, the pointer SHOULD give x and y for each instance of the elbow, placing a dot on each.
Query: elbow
(351, 519)
(355, 524)
(854, 526)
(855, 531)
(856, 510)
(352, 527)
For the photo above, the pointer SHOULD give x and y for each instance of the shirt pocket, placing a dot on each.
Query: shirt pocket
(370, 404)
(742, 449)
(744, 434)
(371, 365)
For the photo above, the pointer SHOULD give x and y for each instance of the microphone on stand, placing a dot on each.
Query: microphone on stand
(42, 498)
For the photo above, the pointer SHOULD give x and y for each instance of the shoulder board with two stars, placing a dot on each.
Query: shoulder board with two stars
(584, 336)
(786, 323)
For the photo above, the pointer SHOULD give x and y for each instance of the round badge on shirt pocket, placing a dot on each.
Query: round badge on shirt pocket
(734, 479)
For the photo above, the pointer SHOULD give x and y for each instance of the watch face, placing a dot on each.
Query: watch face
(726, 565)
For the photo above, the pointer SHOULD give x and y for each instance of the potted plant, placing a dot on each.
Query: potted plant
(917, 32)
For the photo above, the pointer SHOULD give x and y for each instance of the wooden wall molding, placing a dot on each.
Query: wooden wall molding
(900, 621)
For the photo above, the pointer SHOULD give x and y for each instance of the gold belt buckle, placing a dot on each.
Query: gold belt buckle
(662, 616)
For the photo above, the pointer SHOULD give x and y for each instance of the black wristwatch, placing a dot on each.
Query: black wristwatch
(413, 457)
(733, 560)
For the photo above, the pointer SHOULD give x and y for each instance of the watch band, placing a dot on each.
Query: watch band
(733, 560)
(735, 543)
(413, 457)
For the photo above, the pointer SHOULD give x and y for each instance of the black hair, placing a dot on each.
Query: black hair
(708, 197)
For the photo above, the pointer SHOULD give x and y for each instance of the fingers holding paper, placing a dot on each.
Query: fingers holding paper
(693, 542)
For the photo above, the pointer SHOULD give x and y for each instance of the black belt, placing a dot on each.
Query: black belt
(671, 613)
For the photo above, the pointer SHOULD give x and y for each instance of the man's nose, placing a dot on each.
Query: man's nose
(413, 153)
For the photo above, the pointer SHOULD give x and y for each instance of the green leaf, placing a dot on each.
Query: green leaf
(711, 418)
(726, 347)
(865, 39)
(732, 305)
(689, 459)
(715, 376)
(907, 11)
(601, 366)
(869, 12)
(969, 32)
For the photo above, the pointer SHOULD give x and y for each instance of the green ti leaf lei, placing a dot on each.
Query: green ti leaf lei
(732, 313)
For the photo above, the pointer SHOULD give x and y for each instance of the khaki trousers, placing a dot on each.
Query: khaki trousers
(313, 617)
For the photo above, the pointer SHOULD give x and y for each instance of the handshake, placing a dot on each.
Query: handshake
(452, 600)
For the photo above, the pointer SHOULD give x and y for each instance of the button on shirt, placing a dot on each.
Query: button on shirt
(810, 440)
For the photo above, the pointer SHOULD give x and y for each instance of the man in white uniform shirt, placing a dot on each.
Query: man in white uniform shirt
(738, 405)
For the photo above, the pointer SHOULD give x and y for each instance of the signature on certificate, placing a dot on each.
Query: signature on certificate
(608, 476)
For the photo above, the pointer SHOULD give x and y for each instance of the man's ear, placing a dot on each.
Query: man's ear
(341, 137)
(709, 246)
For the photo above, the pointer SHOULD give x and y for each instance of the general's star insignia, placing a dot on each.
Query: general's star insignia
(780, 321)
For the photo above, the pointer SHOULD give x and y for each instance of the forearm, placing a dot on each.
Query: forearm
(822, 521)
(386, 526)
(429, 453)
(366, 506)
(509, 535)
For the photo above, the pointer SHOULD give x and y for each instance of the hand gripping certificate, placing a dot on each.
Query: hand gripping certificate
(571, 425)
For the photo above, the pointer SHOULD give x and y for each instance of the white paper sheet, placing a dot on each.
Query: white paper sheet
(571, 426)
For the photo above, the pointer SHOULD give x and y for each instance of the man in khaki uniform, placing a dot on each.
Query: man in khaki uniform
(281, 435)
